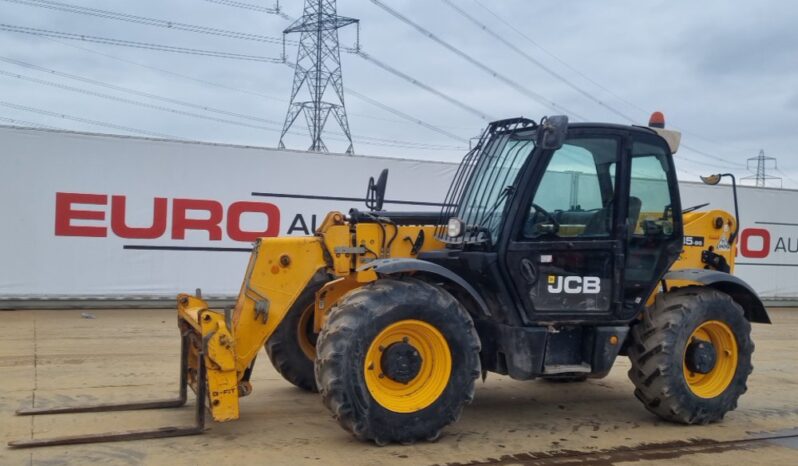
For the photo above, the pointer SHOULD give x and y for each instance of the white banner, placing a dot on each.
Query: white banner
(92, 215)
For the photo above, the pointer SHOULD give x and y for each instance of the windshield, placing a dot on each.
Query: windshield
(491, 184)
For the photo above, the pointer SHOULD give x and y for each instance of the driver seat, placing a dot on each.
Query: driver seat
(599, 223)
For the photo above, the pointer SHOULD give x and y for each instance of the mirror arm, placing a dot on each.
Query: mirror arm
(736, 209)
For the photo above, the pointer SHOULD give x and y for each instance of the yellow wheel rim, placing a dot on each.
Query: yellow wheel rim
(433, 374)
(304, 328)
(717, 380)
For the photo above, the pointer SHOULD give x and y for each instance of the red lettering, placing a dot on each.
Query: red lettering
(120, 228)
(181, 223)
(235, 211)
(64, 214)
(756, 233)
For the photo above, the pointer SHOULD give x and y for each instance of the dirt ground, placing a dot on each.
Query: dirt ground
(57, 357)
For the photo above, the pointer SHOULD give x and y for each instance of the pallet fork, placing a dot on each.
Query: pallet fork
(162, 432)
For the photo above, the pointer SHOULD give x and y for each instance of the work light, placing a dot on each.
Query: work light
(455, 227)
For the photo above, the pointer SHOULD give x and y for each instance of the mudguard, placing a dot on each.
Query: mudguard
(408, 265)
(735, 287)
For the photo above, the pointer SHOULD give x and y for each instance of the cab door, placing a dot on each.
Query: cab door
(565, 255)
(654, 219)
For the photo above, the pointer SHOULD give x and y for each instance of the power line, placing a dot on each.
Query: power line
(134, 91)
(369, 100)
(536, 62)
(169, 24)
(575, 70)
(421, 85)
(683, 170)
(365, 139)
(247, 36)
(406, 116)
(131, 102)
(227, 33)
(397, 112)
(518, 87)
(681, 157)
(169, 72)
(786, 176)
(561, 78)
(558, 59)
(472, 110)
(712, 156)
(249, 6)
(106, 14)
(86, 120)
(211, 83)
(139, 45)
(109, 41)
(17, 122)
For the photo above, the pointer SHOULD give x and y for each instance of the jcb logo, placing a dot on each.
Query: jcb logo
(574, 285)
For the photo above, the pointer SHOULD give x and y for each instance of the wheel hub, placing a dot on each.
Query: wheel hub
(700, 356)
(407, 366)
(401, 362)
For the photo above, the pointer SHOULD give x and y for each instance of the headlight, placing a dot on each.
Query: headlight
(455, 227)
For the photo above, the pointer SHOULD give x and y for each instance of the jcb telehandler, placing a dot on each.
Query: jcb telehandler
(559, 247)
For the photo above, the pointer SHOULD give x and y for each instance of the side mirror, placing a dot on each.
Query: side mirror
(552, 132)
(375, 194)
(711, 180)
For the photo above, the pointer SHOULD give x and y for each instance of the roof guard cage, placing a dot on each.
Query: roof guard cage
(476, 160)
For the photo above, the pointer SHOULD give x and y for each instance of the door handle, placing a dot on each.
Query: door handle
(528, 271)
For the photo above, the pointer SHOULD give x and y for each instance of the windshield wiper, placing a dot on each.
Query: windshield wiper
(509, 189)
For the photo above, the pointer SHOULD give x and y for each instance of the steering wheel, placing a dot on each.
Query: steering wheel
(549, 216)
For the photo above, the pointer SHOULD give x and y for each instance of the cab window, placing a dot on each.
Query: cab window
(650, 211)
(575, 196)
(652, 198)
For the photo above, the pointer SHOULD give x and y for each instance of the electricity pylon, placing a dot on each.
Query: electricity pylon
(317, 67)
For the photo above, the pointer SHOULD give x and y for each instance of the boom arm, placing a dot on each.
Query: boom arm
(279, 269)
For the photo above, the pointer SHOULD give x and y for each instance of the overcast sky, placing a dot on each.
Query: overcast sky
(725, 73)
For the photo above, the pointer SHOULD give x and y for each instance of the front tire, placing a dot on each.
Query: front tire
(292, 346)
(397, 361)
(691, 355)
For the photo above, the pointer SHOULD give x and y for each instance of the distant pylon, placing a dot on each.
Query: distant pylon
(761, 177)
(318, 65)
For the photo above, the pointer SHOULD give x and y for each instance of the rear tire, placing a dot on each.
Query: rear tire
(667, 380)
(386, 398)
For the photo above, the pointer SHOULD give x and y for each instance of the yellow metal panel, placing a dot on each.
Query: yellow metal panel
(220, 363)
(280, 268)
(188, 308)
(396, 241)
(702, 225)
(339, 236)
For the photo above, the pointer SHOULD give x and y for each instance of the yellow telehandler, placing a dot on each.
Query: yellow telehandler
(558, 247)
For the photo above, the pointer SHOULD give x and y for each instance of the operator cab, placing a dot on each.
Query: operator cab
(571, 222)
